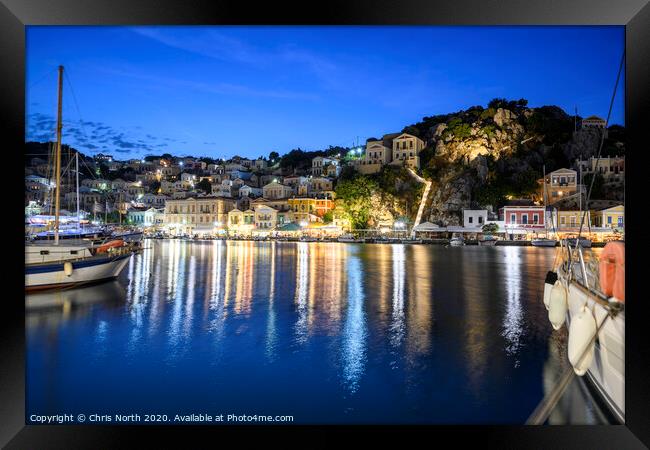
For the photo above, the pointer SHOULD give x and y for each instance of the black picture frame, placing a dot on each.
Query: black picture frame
(633, 14)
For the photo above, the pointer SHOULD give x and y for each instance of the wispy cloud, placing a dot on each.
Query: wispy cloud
(221, 88)
(86, 135)
(215, 44)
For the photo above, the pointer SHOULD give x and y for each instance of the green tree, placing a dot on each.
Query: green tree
(273, 156)
(489, 228)
(354, 196)
(205, 186)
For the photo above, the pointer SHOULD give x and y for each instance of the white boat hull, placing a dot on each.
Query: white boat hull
(53, 275)
(607, 371)
(543, 243)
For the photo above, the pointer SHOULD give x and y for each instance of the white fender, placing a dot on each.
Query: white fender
(67, 268)
(551, 278)
(581, 331)
(557, 305)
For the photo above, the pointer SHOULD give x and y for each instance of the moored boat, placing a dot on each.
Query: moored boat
(584, 242)
(456, 241)
(543, 242)
(53, 264)
(589, 295)
(488, 240)
(348, 238)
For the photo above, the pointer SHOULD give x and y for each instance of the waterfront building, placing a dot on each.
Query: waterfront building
(612, 217)
(523, 216)
(241, 221)
(266, 217)
(473, 218)
(570, 220)
(317, 206)
(135, 216)
(275, 190)
(202, 213)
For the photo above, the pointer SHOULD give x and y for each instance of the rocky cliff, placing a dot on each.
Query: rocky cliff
(478, 157)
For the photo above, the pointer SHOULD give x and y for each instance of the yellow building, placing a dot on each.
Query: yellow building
(241, 221)
(303, 206)
(570, 220)
(613, 217)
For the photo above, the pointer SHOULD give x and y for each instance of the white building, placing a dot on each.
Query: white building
(473, 218)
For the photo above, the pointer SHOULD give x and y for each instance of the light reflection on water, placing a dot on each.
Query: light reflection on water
(327, 332)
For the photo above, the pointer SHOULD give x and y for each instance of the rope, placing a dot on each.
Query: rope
(47, 74)
(600, 149)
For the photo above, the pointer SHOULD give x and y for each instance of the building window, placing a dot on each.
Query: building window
(535, 218)
(480, 219)
(471, 219)
(524, 219)
(513, 218)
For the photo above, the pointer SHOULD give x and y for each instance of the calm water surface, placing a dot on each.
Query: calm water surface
(326, 332)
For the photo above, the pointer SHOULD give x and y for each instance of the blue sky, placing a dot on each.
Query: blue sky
(221, 91)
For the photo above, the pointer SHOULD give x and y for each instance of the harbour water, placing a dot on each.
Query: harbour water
(325, 332)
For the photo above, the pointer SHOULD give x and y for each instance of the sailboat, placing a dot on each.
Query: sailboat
(587, 292)
(51, 264)
(545, 241)
(76, 231)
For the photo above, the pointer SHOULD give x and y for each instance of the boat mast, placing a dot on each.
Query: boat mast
(544, 198)
(78, 217)
(59, 126)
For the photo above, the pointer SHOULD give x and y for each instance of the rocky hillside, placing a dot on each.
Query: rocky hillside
(480, 156)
